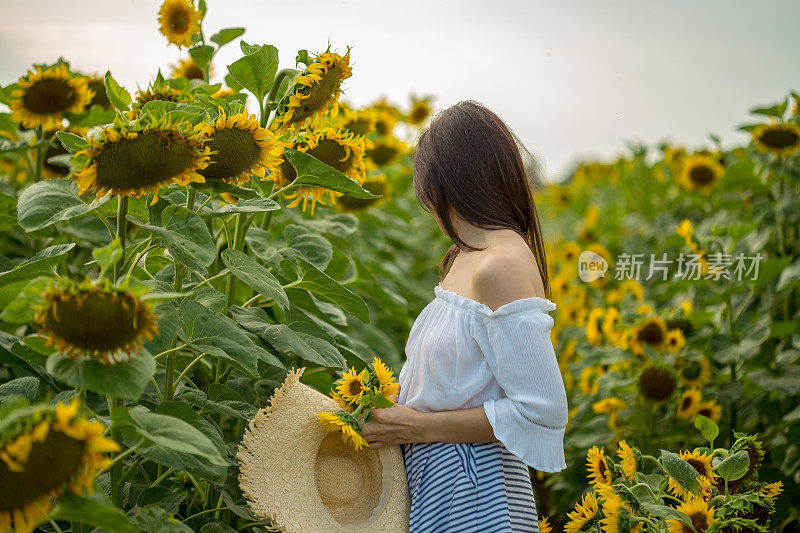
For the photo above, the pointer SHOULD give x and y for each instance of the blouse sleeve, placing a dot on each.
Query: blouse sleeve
(531, 418)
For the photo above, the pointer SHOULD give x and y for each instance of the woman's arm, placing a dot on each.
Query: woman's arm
(399, 424)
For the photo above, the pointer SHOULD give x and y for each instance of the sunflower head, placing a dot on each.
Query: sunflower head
(95, 319)
(160, 92)
(694, 372)
(353, 385)
(318, 86)
(44, 452)
(386, 150)
(45, 94)
(700, 173)
(187, 68)
(179, 21)
(598, 466)
(420, 110)
(585, 513)
(698, 511)
(630, 458)
(689, 403)
(347, 425)
(240, 148)
(657, 382)
(653, 332)
(617, 517)
(710, 409)
(384, 377)
(755, 451)
(141, 157)
(387, 117)
(675, 340)
(358, 122)
(779, 138)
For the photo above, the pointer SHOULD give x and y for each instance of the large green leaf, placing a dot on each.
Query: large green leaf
(312, 171)
(734, 466)
(127, 379)
(222, 404)
(8, 210)
(680, 471)
(41, 263)
(328, 289)
(217, 335)
(310, 244)
(117, 95)
(47, 202)
(95, 511)
(175, 434)
(256, 276)
(248, 205)
(186, 235)
(287, 341)
(156, 520)
(226, 35)
(256, 70)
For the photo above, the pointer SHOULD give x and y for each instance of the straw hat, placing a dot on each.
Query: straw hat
(305, 479)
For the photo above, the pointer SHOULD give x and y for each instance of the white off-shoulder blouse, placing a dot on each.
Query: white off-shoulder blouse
(461, 354)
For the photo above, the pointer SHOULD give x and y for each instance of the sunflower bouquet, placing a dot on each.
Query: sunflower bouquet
(358, 393)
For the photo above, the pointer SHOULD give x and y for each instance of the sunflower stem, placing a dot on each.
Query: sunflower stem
(190, 194)
(122, 228)
(238, 244)
(169, 388)
(265, 110)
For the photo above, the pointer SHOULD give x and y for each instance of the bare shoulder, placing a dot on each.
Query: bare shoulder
(506, 274)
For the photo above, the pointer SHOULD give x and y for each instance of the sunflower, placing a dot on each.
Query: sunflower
(611, 321)
(187, 68)
(597, 466)
(627, 457)
(386, 383)
(56, 450)
(617, 518)
(44, 95)
(755, 451)
(420, 111)
(319, 85)
(657, 383)
(695, 373)
(615, 422)
(675, 340)
(179, 21)
(687, 307)
(377, 185)
(240, 148)
(385, 150)
(779, 138)
(348, 426)
(632, 287)
(688, 404)
(653, 332)
(387, 118)
(584, 513)
(223, 92)
(698, 511)
(144, 156)
(606, 406)
(771, 490)
(352, 386)
(163, 94)
(544, 525)
(710, 409)
(359, 122)
(344, 404)
(588, 380)
(700, 173)
(95, 319)
(593, 334)
(569, 252)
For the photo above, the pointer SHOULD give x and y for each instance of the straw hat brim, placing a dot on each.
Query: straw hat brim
(287, 457)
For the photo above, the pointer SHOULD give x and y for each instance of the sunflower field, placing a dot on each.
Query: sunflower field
(166, 256)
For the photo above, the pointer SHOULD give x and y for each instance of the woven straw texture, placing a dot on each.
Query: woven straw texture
(301, 476)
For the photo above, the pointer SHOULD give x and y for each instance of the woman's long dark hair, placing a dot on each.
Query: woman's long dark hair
(469, 159)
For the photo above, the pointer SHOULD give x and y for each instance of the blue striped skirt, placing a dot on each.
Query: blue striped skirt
(468, 487)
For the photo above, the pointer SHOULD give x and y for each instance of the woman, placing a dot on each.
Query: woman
(481, 396)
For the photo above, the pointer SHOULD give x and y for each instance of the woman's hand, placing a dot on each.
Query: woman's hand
(397, 424)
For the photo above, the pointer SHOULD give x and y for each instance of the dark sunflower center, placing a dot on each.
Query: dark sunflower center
(651, 334)
(49, 96)
(333, 154)
(179, 20)
(382, 153)
(419, 113)
(601, 467)
(149, 159)
(318, 94)
(687, 402)
(692, 371)
(237, 152)
(705, 411)
(355, 388)
(50, 464)
(780, 138)
(697, 465)
(656, 384)
(699, 520)
(102, 322)
(382, 127)
(193, 72)
(701, 174)
(358, 126)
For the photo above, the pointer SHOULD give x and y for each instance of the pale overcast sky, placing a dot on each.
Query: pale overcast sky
(572, 78)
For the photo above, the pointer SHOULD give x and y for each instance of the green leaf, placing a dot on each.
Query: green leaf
(226, 35)
(789, 276)
(734, 466)
(287, 341)
(41, 263)
(235, 408)
(117, 95)
(662, 511)
(73, 143)
(155, 520)
(312, 171)
(8, 210)
(776, 110)
(93, 511)
(175, 434)
(310, 244)
(26, 387)
(256, 276)
(380, 401)
(256, 70)
(126, 379)
(47, 202)
(217, 335)
(186, 235)
(202, 54)
(707, 427)
(680, 471)
(219, 186)
(23, 307)
(252, 205)
(328, 289)
(108, 256)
